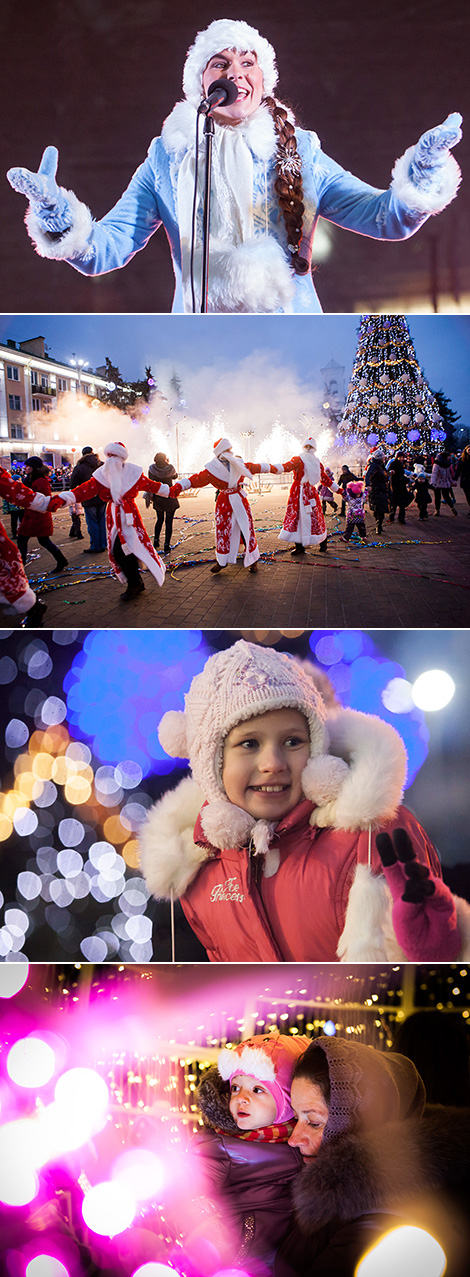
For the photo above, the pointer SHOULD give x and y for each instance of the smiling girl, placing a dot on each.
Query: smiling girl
(271, 845)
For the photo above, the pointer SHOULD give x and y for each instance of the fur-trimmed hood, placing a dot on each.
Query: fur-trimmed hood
(385, 1169)
(213, 1096)
(359, 785)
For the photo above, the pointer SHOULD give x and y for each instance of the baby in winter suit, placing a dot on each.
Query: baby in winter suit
(247, 1165)
(355, 501)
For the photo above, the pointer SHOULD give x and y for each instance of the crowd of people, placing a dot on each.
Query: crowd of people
(103, 494)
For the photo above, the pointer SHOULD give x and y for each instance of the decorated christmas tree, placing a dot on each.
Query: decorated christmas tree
(389, 400)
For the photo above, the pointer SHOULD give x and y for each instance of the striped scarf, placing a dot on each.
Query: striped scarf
(266, 1134)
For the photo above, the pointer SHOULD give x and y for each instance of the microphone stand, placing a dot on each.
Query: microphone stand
(208, 134)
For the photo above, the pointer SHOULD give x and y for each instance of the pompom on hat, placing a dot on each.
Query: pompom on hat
(226, 33)
(240, 683)
(356, 488)
(270, 1058)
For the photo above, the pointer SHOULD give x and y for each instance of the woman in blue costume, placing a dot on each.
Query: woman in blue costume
(271, 182)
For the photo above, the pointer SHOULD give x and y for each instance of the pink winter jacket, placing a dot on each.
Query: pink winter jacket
(299, 913)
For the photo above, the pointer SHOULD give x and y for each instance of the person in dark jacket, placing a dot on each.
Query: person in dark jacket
(398, 487)
(375, 1160)
(344, 478)
(462, 472)
(94, 507)
(37, 524)
(375, 479)
(162, 471)
(244, 1162)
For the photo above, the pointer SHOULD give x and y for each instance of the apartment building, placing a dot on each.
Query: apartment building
(31, 386)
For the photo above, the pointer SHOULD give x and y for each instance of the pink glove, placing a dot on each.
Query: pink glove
(423, 914)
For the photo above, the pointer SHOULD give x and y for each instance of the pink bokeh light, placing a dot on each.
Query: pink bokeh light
(153, 1269)
(84, 1091)
(108, 1209)
(140, 1172)
(31, 1062)
(18, 1180)
(46, 1266)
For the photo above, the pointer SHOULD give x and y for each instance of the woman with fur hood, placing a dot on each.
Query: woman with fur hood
(270, 184)
(375, 1160)
(270, 845)
(242, 1160)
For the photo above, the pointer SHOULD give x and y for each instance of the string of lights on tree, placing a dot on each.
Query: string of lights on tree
(389, 400)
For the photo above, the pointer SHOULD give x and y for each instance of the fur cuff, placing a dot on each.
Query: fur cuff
(21, 605)
(40, 502)
(253, 277)
(421, 197)
(168, 857)
(373, 787)
(368, 935)
(73, 243)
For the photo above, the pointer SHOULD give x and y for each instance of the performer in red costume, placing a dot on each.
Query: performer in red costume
(233, 517)
(16, 594)
(304, 521)
(118, 482)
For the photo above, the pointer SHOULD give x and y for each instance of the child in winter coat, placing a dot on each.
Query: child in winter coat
(423, 498)
(269, 845)
(355, 501)
(326, 492)
(244, 1159)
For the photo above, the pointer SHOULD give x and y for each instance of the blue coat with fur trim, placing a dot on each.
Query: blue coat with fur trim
(253, 274)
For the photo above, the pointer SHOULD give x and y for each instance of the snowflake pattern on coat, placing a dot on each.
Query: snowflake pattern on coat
(232, 515)
(123, 520)
(304, 520)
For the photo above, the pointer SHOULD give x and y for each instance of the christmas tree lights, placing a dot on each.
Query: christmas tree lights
(389, 401)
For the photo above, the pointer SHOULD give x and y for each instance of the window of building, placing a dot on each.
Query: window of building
(34, 377)
(61, 383)
(16, 431)
(15, 402)
(44, 381)
(36, 405)
(12, 373)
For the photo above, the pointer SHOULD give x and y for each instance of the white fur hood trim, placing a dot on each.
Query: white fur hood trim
(179, 131)
(373, 786)
(132, 475)
(368, 934)
(251, 1060)
(73, 243)
(443, 185)
(168, 856)
(366, 788)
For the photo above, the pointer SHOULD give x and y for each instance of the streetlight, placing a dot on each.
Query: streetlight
(79, 364)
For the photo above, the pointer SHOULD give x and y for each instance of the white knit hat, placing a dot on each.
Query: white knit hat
(116, 450)
(226, 33)
(240, 683)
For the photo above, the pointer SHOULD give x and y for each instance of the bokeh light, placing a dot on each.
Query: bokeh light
(406, 1251)
(46, 1266)
(433, 690)
(13, 977)
(83, 1090)
(108, 1209)
(31, 1062)
(117, 691)
(141, 1172)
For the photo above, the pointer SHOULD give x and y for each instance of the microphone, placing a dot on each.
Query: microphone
(221, 93)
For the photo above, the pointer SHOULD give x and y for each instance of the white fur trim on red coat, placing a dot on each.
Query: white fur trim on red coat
(444, 183)
(372, 790)
(368, 934)
(168, 856)
(73, 242)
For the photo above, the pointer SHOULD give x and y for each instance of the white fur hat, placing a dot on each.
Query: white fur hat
(310, 443)
(116, 450)
(221, 446)
(240, 683)
(225, 33)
